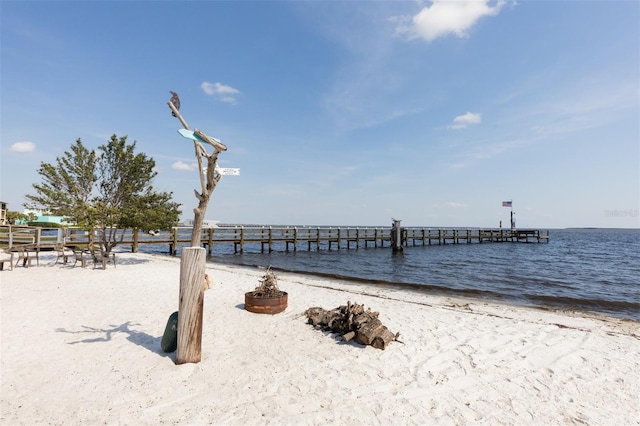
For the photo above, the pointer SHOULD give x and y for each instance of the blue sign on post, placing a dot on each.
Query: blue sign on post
(189, 134)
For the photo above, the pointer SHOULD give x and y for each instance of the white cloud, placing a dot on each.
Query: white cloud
(23, 147)
(456, 205)
(181, 165)
(446, 17)
(462, 121)
(221, 91)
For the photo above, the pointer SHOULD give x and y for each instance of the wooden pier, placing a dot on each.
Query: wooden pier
(318, 238)
(279, 238)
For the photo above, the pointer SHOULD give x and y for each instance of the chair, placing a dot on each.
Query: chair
(83, 256)
(23, 255)
(64, 253)
(103, 258)
(6, 256)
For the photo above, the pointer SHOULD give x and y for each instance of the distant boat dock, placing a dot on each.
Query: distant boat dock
(279, 238)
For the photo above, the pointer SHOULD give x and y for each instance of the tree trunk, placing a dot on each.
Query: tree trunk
(198, 218)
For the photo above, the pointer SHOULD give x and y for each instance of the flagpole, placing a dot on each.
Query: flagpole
(509, 204)
(513, 224)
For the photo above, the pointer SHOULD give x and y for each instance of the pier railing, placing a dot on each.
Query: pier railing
(270, 238)
(12, 236)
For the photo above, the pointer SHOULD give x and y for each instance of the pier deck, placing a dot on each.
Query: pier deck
(281, 238)
(293, 238)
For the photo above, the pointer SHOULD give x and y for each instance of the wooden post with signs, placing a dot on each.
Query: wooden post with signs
(193, 259)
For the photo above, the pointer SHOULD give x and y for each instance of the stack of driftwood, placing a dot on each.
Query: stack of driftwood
(352, 321)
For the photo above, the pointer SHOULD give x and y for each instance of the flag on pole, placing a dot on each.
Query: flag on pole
(506, 204)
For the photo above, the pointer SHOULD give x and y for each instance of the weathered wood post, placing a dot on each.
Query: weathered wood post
(193, 259)
(396, 237)
(190, 307)
(173, 247)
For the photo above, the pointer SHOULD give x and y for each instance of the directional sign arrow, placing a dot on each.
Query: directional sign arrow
(196, 135)
(228, 171)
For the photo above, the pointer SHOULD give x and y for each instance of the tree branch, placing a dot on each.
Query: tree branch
(178, 115)
(199, 148)
(208, 182)
(218, 146)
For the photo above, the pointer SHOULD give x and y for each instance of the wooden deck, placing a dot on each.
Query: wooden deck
(278, 238)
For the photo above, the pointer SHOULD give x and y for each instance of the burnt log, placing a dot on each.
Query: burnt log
(349, 336)
(382, 340)
(352, 321)
(369, 331)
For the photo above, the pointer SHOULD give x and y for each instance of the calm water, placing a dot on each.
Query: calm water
(595, 270)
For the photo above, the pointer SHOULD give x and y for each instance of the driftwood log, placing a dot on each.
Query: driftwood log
(352, 321)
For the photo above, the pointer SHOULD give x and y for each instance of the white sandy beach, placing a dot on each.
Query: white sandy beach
(82, 346)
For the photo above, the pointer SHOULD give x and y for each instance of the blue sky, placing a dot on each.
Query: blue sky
(342, 113)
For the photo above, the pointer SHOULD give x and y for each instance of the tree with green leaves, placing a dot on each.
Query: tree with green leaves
(105, 191)
(17, 217)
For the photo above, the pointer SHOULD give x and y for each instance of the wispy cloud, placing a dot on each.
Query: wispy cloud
(368, 86)
(455, 205)
(181, 165)
(563, 115)
(448, 205)
(23, 147)
(443, 18)
(462, 121)
(221, 91)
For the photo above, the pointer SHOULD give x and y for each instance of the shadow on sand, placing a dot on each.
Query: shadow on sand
(139, 338)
